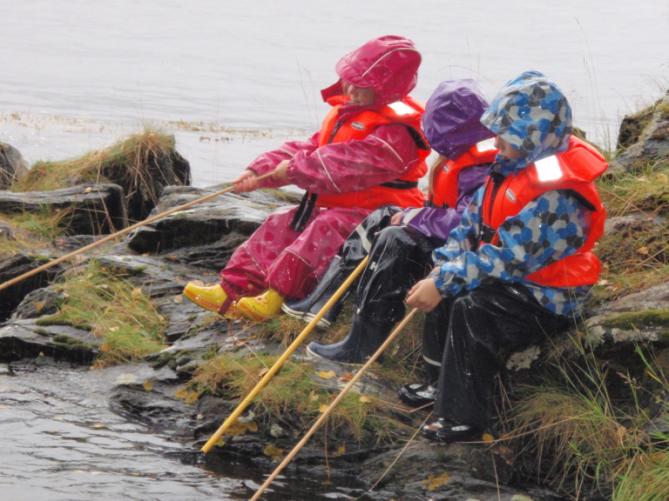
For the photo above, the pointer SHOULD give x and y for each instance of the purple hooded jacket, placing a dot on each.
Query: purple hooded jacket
(452, 125)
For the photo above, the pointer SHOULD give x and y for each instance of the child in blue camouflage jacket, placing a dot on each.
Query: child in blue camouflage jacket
(519, 265)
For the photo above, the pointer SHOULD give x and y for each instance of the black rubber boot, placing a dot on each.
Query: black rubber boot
(362, 341)
(307, 308)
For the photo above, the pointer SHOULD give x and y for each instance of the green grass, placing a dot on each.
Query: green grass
(126, 160)
(98, 300)
(45, 224)
(646, 478)
(30, 231)
(582, 441)
(637, 256)
(294, 397)
(644, 191)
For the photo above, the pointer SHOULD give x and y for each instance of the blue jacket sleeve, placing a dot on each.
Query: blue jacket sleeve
(548, 229)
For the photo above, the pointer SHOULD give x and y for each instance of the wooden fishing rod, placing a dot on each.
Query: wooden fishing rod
(284, 356)
(120, 233)
(334, 403)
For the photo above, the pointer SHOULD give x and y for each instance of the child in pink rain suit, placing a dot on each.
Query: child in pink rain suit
(369, 152)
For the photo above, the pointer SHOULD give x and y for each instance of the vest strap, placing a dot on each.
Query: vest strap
(304, 211)
(400, 184)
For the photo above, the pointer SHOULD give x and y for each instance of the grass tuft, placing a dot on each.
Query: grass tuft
(637, 255)
(25, 232)
(294, 397)
(141, 164)
(646, 478)
(127, 157)
(97, 300)
(585, 442)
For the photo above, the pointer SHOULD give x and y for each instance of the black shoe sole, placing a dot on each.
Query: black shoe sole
(444, 436)
(307, 317)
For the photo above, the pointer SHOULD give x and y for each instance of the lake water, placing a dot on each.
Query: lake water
(232, 79)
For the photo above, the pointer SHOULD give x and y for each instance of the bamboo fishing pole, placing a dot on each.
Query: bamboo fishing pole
(284, 356)
(122, 232)
(334, 403)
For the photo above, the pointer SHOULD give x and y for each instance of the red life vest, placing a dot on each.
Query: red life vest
(574, 170)
(445, 183)
(404, 191)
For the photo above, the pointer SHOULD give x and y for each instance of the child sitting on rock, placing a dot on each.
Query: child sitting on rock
(401, 253)
(369, 153)
(520, 264)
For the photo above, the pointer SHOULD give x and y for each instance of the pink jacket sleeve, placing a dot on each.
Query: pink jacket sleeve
(354, 165)
(268, 161)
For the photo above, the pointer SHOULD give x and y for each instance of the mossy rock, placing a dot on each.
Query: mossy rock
(644, 138)
(12, 165)
(142, 164)
(637, 320)
(633, 125)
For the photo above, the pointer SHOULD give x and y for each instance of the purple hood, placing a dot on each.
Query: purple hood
(452, 118)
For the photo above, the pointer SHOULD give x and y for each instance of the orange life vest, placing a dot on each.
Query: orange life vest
(445, 182)
(574, 170)
(403, 191)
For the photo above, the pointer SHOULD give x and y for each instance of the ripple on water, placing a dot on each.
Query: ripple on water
(59, 440)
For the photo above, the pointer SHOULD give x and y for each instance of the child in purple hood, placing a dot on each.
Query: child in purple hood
(401, 253)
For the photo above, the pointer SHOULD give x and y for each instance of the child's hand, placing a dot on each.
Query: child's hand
(424, 295)
(247, 181)
(280, 173)
(396, 218)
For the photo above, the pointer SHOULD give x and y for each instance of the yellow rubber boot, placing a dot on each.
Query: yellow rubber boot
(262, 307)
(212, 297)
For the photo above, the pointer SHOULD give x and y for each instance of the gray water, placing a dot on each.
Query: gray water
(79, 74)
(230, 80)
(59, 441)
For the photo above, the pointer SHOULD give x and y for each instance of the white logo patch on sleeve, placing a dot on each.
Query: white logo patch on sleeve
(548, 169)
(358, 125)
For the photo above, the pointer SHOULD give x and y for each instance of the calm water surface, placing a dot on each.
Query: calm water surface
(60, 441)
(232, 79)
(79, 74)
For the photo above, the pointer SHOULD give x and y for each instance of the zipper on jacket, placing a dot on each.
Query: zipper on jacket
(486, 232)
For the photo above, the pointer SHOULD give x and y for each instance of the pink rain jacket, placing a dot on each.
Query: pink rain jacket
(291, 262)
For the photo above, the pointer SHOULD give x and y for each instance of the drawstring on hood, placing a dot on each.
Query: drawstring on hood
(532, 114)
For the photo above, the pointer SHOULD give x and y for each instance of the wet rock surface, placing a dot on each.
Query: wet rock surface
(206, 234)
(193, 244)
(431, 471)
(28, 338)
(15, 266)
(642, 317)
(12, 165)
(83, 209)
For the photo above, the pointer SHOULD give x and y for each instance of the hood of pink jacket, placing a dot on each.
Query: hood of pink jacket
(388, 64)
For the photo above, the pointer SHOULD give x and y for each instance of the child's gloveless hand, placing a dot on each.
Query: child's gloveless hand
(424, 295)
(247, 181)
(280, 173)
(396, 218)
